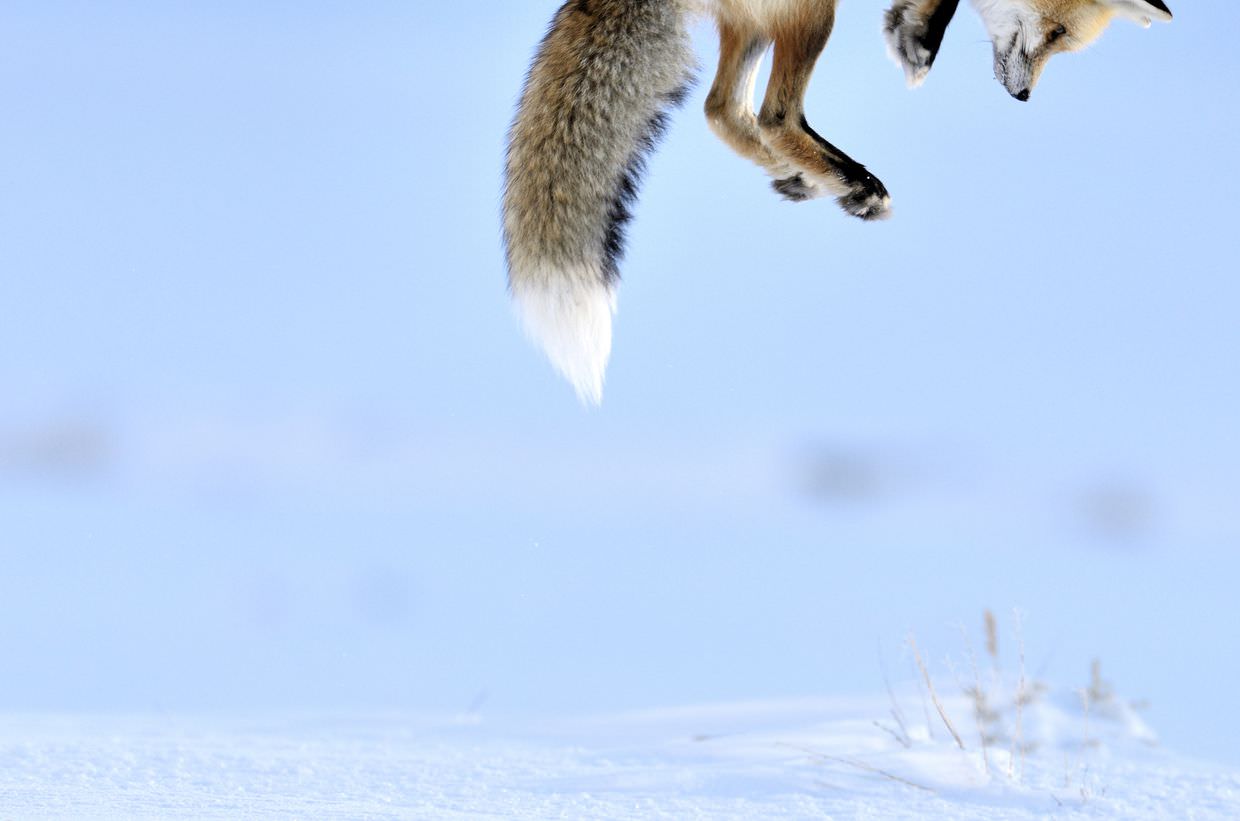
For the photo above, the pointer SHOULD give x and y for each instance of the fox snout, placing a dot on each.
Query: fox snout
(1016, 71)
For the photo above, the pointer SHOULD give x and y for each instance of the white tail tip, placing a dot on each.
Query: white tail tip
(569, 316)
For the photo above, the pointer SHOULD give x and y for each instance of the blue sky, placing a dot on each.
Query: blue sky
(270, 437)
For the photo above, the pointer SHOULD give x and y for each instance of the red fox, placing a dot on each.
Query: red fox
(595, 103)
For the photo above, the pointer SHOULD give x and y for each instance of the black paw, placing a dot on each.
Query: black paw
(868, 198)
(794, 188)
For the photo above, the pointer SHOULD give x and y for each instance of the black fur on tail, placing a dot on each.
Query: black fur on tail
(629, 186)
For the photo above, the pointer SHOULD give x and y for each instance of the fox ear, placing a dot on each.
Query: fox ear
(1141, 11)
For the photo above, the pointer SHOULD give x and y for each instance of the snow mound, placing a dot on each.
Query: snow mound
(772, 760)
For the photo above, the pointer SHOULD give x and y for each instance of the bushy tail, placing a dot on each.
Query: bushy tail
(593, 107)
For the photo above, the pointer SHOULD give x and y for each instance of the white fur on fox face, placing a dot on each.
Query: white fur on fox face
(1015, 28)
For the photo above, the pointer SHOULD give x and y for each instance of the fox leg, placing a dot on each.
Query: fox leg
(914, 30)
(785, 130)
(730, 109)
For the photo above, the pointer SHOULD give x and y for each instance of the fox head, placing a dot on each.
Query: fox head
(1027, 33)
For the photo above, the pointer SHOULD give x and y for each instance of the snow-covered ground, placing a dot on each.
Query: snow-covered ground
(886, 758)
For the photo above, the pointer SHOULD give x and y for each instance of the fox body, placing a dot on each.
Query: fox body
(595, 103)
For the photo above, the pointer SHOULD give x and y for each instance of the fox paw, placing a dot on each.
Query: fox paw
(795, 188)
(910, 41)
(868, 199)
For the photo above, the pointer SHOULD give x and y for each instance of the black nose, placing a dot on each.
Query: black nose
(1023, 96)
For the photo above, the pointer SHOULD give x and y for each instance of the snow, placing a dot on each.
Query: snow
(824, 758)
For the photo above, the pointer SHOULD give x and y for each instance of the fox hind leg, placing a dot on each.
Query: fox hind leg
(730, 108)
(784, 129)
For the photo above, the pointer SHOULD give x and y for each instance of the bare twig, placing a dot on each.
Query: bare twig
(903, 737)
(904, 740)
(925, 707)
(1018, 745)
(992, 637)
(979, 697)
(938, 705)
(860, 765)
(1100, 690)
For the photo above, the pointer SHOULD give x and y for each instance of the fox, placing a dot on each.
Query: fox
(597, 99)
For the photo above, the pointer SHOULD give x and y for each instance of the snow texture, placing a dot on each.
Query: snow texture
(816, 759)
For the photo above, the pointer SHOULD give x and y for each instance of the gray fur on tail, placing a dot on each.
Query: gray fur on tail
(594, 105)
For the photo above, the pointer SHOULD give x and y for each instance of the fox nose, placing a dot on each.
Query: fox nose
(1022, 95)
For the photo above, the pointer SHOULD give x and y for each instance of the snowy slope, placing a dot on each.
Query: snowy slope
(800, 759)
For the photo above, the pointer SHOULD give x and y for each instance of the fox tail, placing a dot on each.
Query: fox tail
(594, 105)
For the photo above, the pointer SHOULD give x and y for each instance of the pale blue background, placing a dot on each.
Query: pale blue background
(270, 439)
